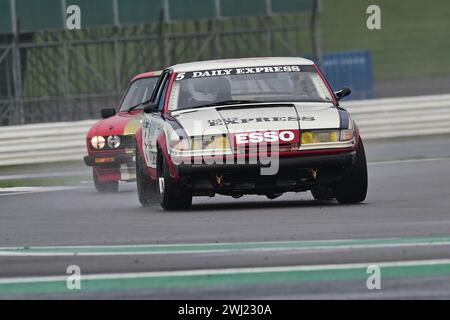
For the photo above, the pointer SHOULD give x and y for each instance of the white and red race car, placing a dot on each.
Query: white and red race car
(263, 126)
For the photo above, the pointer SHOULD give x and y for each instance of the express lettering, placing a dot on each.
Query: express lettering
(230, 121)
(237, 121)
(268, 70)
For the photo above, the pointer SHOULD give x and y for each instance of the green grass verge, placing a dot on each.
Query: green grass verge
(42, 182)
(414, 40)
(69, 166)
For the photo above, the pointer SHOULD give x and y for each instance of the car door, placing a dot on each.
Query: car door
(153, 122)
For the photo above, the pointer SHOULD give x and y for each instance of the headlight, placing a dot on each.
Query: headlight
(179, 144)
(98, 142)
(114, 142)
(210, 143)
(323, 136)
(327, 136)
(347, 135)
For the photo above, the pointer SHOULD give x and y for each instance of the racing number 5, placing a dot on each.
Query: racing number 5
(180, 76)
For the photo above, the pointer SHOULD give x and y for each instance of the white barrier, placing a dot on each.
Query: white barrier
(383, 118)
(402, 117)
(42, 143)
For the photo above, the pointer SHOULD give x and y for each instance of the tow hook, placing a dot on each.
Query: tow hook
(314, 173)
(220, 180)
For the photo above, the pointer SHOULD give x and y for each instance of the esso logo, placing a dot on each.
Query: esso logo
(280, 137)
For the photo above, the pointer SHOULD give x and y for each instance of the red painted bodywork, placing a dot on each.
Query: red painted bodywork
(108, 127)
(322, 76)
(138, 138)
(163, 146)
(113, 126)
(150, 171)
(146, 75)
(169, 90)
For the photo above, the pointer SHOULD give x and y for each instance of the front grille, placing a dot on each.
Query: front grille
(128, 142)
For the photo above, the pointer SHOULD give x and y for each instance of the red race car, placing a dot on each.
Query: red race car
(111, 142)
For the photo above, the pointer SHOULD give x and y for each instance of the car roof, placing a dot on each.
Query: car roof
(240, 63)
(147, 75)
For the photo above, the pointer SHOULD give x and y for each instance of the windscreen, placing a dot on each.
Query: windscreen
(140, 91)
(259, 84)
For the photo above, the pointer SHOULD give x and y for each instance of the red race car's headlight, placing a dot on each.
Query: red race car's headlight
(98, 142)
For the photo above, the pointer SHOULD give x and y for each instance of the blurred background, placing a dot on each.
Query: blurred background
(55, 81)
(49, 74)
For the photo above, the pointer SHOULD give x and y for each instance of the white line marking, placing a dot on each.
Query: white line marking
(225, 250)
(230, 271)
(407, 161)
(198, 244)
(21, 189)
(31, 190)
(15, 194)
(42, 175)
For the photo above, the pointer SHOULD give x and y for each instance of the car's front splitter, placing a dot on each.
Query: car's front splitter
(307, 161)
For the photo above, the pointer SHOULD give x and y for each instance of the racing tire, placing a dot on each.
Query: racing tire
(352, 188)
(174, 196)
(146, 188)
(322, 193)
(105, 187)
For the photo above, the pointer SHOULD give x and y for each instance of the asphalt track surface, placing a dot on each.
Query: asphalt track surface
(251, 248)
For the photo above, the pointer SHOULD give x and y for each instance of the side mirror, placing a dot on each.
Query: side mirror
(108, 113)
(151, 108)
(344, 92)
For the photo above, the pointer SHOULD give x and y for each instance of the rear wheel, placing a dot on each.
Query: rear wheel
(173, 195)
(146, 188)
(353, 187)
(105, 187)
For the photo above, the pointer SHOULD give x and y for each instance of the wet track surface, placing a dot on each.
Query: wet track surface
(212, 251)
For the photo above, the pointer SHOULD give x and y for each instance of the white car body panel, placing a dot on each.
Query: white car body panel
(325, 115)
(247, 118)
(195, 123)
(310, 116)
(243, 118)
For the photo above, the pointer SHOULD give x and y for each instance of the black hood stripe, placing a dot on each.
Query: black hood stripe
(344, 119)
(175, 124)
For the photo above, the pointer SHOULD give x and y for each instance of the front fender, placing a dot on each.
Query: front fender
(140, 149)
(163, 148)
(139, 146)
(357, 136)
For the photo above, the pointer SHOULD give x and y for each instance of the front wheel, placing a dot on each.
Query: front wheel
(145, 186)
(105, 187)
(174, 195)
(353, 187)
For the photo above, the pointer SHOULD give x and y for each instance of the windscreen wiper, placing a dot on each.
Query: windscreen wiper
(138, 105)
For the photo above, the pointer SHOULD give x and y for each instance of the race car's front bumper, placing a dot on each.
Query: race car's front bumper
(118, 167)
(109, 161)
(297, 174)
(307, 161)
